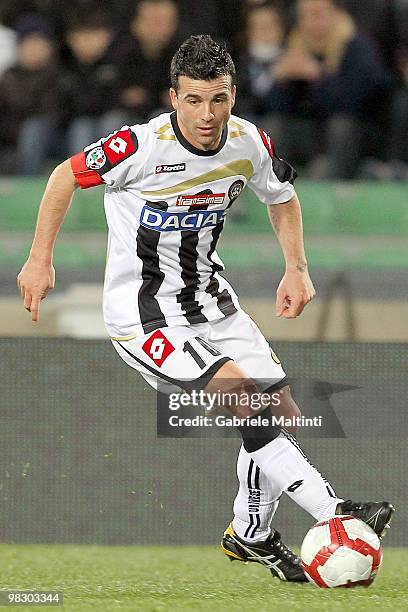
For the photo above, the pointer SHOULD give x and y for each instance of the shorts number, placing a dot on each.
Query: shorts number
(188, 348)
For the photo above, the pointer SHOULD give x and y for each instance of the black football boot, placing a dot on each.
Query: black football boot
(271, 553)
(377, 515)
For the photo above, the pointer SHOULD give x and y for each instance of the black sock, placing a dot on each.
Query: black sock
(255, 437)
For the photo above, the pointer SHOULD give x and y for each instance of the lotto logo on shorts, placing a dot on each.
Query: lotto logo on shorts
(158, 348)
(120, 146)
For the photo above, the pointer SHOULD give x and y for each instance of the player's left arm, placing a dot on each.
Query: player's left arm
(296, 288)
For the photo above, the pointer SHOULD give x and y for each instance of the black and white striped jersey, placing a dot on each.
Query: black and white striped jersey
(166, 204)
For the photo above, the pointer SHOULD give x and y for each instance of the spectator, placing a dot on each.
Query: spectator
(377, 19)
(145, 56)
(11, 11)
(397, 152)
(394, 166)
(63, 13)
(88, 83)
(256, 66)
(330, 82)
(222, 19)
(219, 18)
(401, 13)
(8, 48)
(27, 100)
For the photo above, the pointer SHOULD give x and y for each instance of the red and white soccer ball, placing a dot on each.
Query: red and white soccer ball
(341, 552)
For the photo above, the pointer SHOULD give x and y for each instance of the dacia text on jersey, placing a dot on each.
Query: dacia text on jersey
(163, 221)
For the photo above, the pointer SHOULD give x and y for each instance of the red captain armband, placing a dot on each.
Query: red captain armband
(85, 177)
(89, 166)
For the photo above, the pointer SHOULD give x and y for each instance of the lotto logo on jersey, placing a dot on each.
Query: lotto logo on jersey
(120, 146)
(158, 348)
(163, 221)
(170, 168)
(195, 200)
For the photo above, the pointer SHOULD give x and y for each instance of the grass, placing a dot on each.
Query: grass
(149, 579)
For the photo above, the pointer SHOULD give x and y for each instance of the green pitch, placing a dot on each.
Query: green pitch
(147, 579)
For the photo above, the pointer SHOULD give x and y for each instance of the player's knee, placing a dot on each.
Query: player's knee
(240, 396)
(234, 390)
(233, 394)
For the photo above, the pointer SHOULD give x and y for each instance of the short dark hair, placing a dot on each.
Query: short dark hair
(154, 2)
(98, 20)
(201, 58)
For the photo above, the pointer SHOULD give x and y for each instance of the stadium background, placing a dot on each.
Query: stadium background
(80, 461)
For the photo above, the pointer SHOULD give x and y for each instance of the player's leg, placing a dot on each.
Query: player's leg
(297, 473)
(164, 355)
(256, 501)
(249, 537)
(277, 453)
(241, 339)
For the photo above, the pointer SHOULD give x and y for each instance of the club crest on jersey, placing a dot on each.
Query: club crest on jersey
(170, 168)
(163, 221)
(95, 159)
(203, 198)
(158, 348)
(235, 189)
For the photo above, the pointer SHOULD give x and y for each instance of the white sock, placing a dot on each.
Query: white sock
(256, 501)
(288, 469)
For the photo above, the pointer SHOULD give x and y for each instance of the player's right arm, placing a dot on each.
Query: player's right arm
(115, 160)
(37, 276)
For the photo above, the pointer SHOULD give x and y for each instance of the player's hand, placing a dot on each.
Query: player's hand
(35, 281)
(294, 292)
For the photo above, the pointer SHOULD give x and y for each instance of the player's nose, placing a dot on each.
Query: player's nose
(207, 114)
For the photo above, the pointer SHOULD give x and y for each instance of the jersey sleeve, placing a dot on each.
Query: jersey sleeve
(116, 160)
(273, 177)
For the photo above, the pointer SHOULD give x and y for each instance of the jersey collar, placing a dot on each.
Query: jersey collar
(187, 145)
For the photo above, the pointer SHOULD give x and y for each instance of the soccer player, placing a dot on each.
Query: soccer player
(170, 315)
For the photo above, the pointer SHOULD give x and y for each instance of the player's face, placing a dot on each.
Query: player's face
(203, 109)
(316, 17)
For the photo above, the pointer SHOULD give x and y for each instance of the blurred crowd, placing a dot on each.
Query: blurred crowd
(328, 79)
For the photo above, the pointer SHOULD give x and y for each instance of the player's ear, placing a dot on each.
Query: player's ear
(173, 98)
